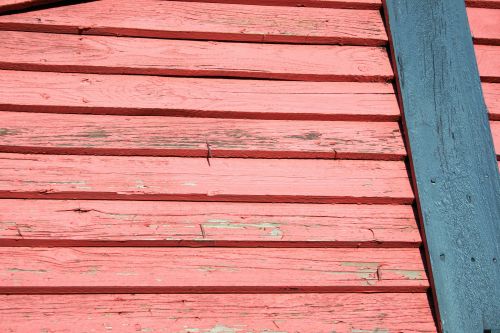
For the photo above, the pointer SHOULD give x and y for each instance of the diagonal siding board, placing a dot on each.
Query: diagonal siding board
(170, 96)
(111, 55)
(175, 178)
(207, 21)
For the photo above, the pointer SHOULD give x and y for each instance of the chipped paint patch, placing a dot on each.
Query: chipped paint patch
(92, 270)
(96, 134)
(228, 224)
(19, 270)
(223, 329)
(189, 184)
(370, 265)
(409, 274)
(7, 131)
(376, 330)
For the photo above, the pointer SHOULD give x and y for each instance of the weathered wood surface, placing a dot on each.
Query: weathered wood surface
(488, 60)
(176, 178)
(197, 137)
(10, 5)
(192, 270)
(111, 55)
(484, 25)
(453, 159)
(305, 313)
(144, 223)
(346, 4)
(170, 96)
(483, 3)
(491, 92)
(207, 21)
(495, 131)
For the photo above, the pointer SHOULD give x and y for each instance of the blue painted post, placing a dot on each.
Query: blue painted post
(454, 167)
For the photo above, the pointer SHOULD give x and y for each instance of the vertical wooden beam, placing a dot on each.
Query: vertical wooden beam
(454, 168)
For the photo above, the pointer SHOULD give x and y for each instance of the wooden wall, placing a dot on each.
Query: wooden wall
(205, 167)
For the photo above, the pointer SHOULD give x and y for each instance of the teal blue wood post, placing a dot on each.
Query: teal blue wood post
(454, 167)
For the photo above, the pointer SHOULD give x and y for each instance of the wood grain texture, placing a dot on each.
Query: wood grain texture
(452, 158)
(491, 92)
(305, 313)
(198, 137)
(483, 3)
(484, 25)
(207, 21)
(191, 270)
(488, 61)
(144, 223)
(10, 5)
(225, 98)
(175, 178)
(346, 4)
(495, 131)
(111, 55)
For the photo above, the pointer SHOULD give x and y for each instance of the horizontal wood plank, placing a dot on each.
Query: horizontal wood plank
(148, 223)
(495, 131)
(10, 5)
(346, 4)
(170, 96)
(483, 3)
(198, 137)
(176, 178)
(207, 21)
(491, 92)
(305, 313)
(111, 55)
(191, 270)
(488, 61)
(484, 25)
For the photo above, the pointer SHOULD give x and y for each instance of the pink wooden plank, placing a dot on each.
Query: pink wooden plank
(305, 313)
(149, 223)
(191, 270)
(491, 92)
(10, 5)
(484, 25)
(347, 4)
(145, 95)
(175, 178)
(208, 21)
(488, 61)
(198, 137)
(111, 55)
(495, 131)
